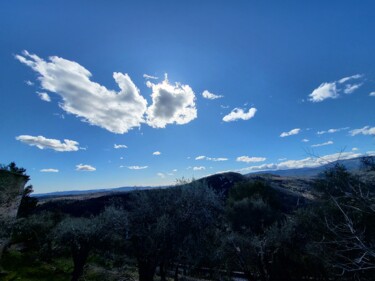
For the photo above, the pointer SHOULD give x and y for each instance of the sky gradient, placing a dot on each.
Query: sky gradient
(98, 94)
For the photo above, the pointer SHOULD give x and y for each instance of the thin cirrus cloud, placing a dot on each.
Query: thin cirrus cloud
(208, 95)
(44, 143)
(332, 90)
(146, 76)
(170, 104)
(372, 94)
(116, 111)
(248, 159)
(49, 170)
(218, 159)
(290, 133)
(239, 114)
(137, 167)
(199, 168)
(367, 130)
(85, 168)
(331, 131)
(118, 146)
(44, 96)
(322, 144)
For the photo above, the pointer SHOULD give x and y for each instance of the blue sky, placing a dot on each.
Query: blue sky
(98, 94)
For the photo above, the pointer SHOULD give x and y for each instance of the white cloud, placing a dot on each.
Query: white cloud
(207, 95)
(332, 90)
(355, 149)
(248, 159)
(219, 159)
(322, 144)
(364, 131)
(146, 76)
(174, 170)
(200, 168)
(309, 162)
(44, 143)
(238, 113)
(29, 83)
(350, 88)
(161, 175)
(224, 106)
(49, 170)
(85, 168)
(290, 133)
(156, 153)
(44, 96)
(117, 112)
(137, 167)
(331, 131)
(117, 146)
(305, 140)
(171, 104)
(372, 94)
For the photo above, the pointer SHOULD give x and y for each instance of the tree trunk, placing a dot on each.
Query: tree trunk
(79, 259)
(146, 270)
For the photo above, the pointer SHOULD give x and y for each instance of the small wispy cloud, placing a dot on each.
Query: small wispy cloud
(29, 83)
(137, 167)
(44, 143)
(44, 96)
(118, 146)
(367, 130)
(146, 76)
(207, 95)
(372, 94)
(331, 131)
(199, 168)
(248, 159)
(218, 159)
(290, 133)
(239, 114)
(322, 144)
(161, 175)
(50, 170)
(85, 168)
(305, 140)
(156, 153)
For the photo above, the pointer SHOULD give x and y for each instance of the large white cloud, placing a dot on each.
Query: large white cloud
(248, 159)
(367, 130)
(117, 112)
(44, 143)
(332, 90)
(207, 95)
(171, 104)
(239, 113)
(85, 168)
(290, 133)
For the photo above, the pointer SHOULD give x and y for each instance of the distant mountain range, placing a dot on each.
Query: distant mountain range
(352, 165)
(218, 181)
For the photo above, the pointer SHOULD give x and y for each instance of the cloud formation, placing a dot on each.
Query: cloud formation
(49, 170)
(156, 153)
(309, 162)
(44, 143)
(85, 168)
(171, 104)
(117, 112)
(332, 90)
(248, 159)
(118, 146)
(290, 133)
(44, 96)
(363, 131)
(200, 168)
(239, 113)
(219, 159)
(137, 167)
(331, 131)
(207, 95)
(322, 144)
(372, 94)
(146, 76)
